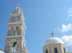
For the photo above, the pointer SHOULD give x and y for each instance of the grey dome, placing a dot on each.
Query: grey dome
(54, 40)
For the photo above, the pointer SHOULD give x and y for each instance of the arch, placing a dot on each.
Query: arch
(12, 31)
(17, 28)
(12, 19)
(9, 33)
(14, 47)
(46, 51)
(15, 11)
(14, 44)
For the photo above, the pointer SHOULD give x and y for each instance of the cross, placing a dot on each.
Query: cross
(52, 34)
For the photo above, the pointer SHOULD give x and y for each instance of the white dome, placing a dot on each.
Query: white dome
(53, 40)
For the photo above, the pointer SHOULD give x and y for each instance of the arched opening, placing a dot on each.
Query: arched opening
(15, 11)
(46, 51)
(15, 46)
(12, 31)
(17, 31)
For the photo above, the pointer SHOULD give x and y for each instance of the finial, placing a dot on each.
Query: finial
(52, 34)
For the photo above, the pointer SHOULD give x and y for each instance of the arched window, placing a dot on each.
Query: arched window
(55, 50)
(12, 31)
(16, 31)
(15, 46)
(9, 32)
(64, 49)
(46, 51)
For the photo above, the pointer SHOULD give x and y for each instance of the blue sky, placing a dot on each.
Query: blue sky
(42, 17)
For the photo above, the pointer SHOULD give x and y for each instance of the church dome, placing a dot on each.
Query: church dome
(53, 40)
(17, 10)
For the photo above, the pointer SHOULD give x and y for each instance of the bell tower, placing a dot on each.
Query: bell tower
(15, 39)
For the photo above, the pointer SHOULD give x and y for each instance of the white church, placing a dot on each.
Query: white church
(15, 39)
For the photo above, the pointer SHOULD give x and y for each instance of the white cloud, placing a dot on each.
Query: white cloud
(67, 40)
(69, 15)
(70, 12)
(64, 28)
(1, 52)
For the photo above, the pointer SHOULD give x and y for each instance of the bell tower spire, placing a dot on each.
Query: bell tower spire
(15, 39)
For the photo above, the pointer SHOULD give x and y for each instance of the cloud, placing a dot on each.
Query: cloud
(69, 15)
(70, 12)
(1, 52)
(68, 27)
(67, 40)
(64, 28)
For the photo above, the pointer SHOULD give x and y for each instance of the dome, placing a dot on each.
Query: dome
(17, 10)
(54, 40)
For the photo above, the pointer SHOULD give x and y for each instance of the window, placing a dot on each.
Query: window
(55, 50)
(17, 31)
(64, 50)
(12, 30)
(15, 46)
(46, 51)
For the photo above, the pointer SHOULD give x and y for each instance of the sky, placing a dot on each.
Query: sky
(42, 17)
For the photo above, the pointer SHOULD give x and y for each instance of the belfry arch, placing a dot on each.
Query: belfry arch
(17, 29)
(15, 47)
(12, 30)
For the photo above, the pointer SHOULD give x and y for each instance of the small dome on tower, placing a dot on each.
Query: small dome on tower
(53, 40)
(17, 10)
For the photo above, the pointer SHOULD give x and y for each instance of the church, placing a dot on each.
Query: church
(54, 45)
(15, 39)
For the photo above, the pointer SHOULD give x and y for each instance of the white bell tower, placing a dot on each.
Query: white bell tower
(15, 39)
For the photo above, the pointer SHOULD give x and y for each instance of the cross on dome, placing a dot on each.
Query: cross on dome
(52, 34)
